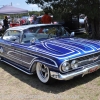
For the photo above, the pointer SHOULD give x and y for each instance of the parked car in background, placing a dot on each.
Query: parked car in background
(72, 23)
(50, 51)
(25, 20)
(82, 21)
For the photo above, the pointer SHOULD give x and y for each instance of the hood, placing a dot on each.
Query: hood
(68, 47)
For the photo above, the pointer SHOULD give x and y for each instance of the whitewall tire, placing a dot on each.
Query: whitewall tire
(43, 73)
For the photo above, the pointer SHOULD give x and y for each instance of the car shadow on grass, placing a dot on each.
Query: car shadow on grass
(56, 87)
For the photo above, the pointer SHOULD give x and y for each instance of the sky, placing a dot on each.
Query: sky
(20, 4)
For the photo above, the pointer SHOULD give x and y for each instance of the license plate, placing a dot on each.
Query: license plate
(93, 69)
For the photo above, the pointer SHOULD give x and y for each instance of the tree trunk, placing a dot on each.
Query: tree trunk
(95, 26)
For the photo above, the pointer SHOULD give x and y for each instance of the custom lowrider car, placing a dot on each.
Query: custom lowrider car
(50, 51)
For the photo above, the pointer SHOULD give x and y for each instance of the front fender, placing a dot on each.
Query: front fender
(46, 61)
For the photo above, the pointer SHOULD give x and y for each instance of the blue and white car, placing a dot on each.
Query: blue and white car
(50, 51)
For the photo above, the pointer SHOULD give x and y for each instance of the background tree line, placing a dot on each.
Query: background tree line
(30, 13)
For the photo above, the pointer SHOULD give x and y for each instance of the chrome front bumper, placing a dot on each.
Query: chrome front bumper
(69, 76)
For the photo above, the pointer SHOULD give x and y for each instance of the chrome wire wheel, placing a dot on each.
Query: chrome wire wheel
(42, 72)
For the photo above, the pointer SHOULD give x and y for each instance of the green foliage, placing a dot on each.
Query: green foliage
(38, 13)
(88, 7)
(91, 8)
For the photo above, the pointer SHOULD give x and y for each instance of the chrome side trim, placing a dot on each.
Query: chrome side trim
(69, 76)
(17, 68)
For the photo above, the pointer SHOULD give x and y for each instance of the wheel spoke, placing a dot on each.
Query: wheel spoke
(43, 70)
(46, 74)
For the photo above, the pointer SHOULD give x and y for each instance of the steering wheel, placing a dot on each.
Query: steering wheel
(50, 35)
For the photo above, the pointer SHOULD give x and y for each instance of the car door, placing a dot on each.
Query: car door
(27, 56)
(8, 43)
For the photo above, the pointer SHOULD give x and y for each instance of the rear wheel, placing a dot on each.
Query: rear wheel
(43, 73)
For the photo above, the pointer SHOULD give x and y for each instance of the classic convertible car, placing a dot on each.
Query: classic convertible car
(50, 51)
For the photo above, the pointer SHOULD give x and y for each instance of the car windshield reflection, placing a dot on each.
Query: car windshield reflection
(45, 32)
(38, 33)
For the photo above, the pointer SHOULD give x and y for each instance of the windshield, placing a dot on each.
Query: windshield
(44, 32)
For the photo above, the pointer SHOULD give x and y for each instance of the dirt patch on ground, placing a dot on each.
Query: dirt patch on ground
(15, 85)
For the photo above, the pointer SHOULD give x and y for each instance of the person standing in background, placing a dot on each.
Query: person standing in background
(18, 20)
(46, 19)
(5, 23)
(35, 21)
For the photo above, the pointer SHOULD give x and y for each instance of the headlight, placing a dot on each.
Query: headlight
(65, 67)
(74, 64)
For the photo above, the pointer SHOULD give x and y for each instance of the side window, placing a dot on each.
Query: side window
(42, 33)
(12, 35)
(28, 34)
(52, 31)
(62, 32)
(27, 37)
(46, 32)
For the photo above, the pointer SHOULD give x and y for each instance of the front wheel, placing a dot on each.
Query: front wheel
(43, 73)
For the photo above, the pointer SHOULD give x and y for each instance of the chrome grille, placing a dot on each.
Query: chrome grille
(89, 59)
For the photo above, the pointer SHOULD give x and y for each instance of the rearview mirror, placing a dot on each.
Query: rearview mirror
(45, 30)
(32, 41)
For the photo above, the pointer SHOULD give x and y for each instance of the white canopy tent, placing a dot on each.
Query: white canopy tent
(12, 10)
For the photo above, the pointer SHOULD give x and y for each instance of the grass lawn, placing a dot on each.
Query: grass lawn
(82, 35)
(15, 85)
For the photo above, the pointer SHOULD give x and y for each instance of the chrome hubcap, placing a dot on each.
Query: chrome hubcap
(44, 71)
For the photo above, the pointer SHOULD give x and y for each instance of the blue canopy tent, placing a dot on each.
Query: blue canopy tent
(8, 9)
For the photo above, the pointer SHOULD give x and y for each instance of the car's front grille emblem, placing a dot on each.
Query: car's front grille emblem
(93, 59)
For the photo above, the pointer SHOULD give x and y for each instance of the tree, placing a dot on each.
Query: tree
(91, 8)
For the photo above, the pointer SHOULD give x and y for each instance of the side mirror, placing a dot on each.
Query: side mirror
(72, 34)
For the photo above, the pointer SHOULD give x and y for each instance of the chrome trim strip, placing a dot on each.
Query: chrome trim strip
(85, 55)
(69, 76)
(17, 68)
